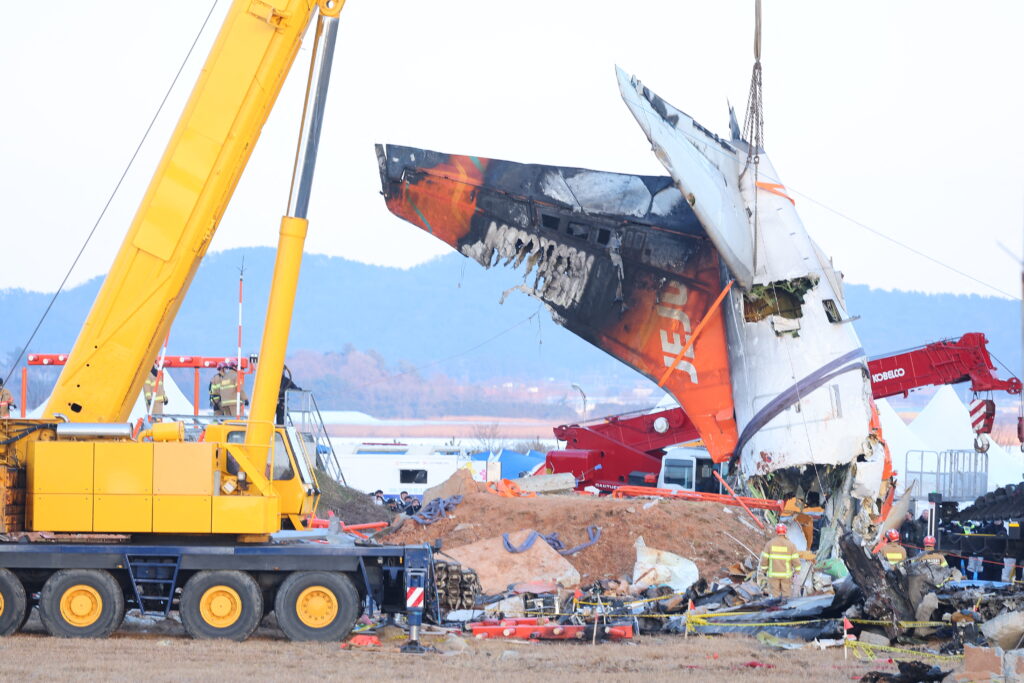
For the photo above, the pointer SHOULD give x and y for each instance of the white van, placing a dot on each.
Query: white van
(684, 468)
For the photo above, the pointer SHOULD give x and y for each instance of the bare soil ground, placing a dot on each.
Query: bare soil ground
(698, 531)
(128, 656)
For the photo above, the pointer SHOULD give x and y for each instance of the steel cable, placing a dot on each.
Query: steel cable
(131, 161)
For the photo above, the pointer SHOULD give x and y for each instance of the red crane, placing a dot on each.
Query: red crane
(950, 361)
(627, 449)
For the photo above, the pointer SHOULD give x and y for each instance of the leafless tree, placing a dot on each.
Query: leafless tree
(488, 437)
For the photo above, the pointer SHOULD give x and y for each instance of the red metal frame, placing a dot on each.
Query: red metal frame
(197, 362)
(603, 454)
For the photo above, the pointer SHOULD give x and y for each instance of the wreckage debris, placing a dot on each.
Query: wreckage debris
(661, 568)
(505, 579)
(542, 628)
(910, 672)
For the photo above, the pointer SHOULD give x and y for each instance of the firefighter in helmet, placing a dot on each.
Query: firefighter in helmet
(232, 391)
(930, 555)
(779, 562)
(214, 389)
(893, 552)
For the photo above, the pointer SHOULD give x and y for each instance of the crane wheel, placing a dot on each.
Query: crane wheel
(81, 603)
(221, 604)
(13, 603)
(317, 606)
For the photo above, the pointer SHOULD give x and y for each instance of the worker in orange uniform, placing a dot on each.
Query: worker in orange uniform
(929, 554)
(6, 400)
(779, 561)
(893, 552)
(232, 393)
(154, 385)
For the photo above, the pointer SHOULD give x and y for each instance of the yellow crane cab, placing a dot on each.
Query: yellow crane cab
(289, 470)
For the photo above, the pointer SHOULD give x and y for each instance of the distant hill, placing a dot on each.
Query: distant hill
(444, 316)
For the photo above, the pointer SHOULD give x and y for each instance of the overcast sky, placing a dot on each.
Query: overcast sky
(902, 115)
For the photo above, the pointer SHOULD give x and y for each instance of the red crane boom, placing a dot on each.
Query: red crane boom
(944, 362)
(624, 448)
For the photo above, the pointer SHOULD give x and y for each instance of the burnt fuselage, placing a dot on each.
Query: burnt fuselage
(619, 259)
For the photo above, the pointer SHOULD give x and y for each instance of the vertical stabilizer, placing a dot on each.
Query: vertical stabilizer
(705, 169)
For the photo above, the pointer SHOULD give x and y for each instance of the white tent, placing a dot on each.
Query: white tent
(909, 452)
(945, 424)
(176, 402)
(900, 438)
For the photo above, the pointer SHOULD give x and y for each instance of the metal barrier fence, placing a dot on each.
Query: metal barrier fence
(959, 475)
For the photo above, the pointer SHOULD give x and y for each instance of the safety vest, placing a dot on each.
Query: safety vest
(894, 553)
(149, 386)
(932, 557)
(781, 557)
(227, 381)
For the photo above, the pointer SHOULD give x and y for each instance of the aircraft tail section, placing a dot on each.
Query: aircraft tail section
(704, 167)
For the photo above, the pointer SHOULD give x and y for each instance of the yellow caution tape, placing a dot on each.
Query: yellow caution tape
(867, 651)
(705, 620)
(701, 620)
(904, 624)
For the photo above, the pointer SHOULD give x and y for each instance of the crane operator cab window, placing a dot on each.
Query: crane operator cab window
(282, 462)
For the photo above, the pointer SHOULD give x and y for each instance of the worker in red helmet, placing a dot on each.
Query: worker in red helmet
(779, 562)
(232, 390)
(893, 552)
(930, 555)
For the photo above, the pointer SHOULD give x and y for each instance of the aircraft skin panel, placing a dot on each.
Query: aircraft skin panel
(705, 169)
(620, 260)
(801, 390)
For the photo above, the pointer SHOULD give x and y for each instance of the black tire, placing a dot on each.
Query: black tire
(317, 606)
(28, 615)
(224, 604)
(81, 603)
(13, 603)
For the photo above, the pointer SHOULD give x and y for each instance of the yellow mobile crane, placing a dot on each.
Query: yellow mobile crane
(170, 523)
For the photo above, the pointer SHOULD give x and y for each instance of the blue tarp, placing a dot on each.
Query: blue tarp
(513, 463)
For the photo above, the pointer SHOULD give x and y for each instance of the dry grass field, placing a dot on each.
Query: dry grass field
(172, 656)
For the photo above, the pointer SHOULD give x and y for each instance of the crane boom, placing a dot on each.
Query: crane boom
(182, 208)
(944, 362)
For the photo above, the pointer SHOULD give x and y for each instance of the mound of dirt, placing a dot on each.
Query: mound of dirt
(350, 506)
(697, 531)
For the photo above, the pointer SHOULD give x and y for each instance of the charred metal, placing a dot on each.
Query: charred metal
(784, 298)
